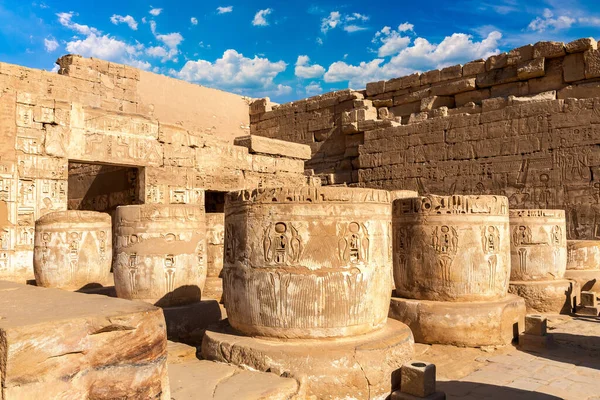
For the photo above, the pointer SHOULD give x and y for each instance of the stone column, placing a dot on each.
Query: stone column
(539, 260)
(452, 268)
(310, 263)
(73, 250)
(583, 263)
(160, 253)
(215, 232)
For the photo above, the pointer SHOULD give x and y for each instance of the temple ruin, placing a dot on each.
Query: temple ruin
(164, 240)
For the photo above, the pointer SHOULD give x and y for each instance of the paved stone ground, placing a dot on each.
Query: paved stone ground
(570, 370)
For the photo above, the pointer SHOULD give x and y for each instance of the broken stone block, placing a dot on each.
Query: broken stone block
(530, 69)
(544, 96)
(574, 67)
(452, 88)
(497, 61)
(581, 45)
(536, 325)
(589, 299)
(473, 68)
(548, 49)
(452, 72)
(375, 88)
(433, 102)
(524, 53)
(581, 91)
(263, 145)
(261, 106)
(429, 77)
(417, 381)
(592, 63)
(60, 344)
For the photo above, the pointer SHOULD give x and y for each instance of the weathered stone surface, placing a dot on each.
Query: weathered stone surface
(538, 244)
(431, 238)
(581, 91)
(548, 49)
(160, 253)
(215, 235)
(356, 367)
(531, 68)
(592, 63)
(574, 67)
(73, 250)
(583, 255)
(451, 88)
(452, 72)
(551, 296)
(417, 378)
(473, 68)
(262, 145)
(58, 344)
(581, 45)
(470, 324)
(307, 240)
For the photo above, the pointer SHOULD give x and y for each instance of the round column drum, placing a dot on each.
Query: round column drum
(538, 245)
(451, 248)
(72, 249)
(307, 262)
(160, 253)
(583, 255)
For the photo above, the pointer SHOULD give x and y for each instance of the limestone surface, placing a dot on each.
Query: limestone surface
(451, 248)
(307, 262)
(56, 344)
(160, 253)
(73, 249)
(215, 234)
(357, 367)
(538, 244)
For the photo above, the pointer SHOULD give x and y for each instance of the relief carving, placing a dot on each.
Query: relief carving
(353, 247)
(444, 240)
(281, 245)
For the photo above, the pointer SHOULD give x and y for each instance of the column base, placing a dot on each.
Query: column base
(358, 367)
(589, 280)
(551, 297)
(465, 324)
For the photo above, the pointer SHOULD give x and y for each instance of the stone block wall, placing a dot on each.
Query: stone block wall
(92, 112)
(524, 124)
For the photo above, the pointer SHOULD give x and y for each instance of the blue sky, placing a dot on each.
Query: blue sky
(284, 49)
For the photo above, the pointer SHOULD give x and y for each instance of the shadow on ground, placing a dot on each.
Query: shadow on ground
(474, 390)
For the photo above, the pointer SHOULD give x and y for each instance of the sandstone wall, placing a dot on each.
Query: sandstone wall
(91, 112)
(522, 124)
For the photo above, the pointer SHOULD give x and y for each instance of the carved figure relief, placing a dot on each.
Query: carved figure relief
(556, 236)
(102, 244)
(444, 241)
(74, 238)
(353, 247)
(491, 245)
(132, 271)
(170, 272)
(230, 243)
(200, 255)
(403, 245)
(46, 250)
(523, 260)
(522, 236)
(4, 239)
(281, 244)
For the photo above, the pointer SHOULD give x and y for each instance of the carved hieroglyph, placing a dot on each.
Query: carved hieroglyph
(307, 262)
(73, 249)
(583, 255)
(538, 245)
(160, 253)
(215, 233)
(451, 248)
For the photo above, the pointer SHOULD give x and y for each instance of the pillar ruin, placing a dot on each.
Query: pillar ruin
(73, 250)
(311, 263)
(583, 263)
(452, 269)
(539, 260)
(160, 253)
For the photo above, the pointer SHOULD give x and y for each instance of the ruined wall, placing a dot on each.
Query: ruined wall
(92, 113)
(317, 122)
(523, 124)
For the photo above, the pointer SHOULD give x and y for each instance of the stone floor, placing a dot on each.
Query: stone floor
(570, 370)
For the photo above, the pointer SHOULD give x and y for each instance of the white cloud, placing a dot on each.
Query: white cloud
(548, 22)
(313, 88)
(194, 21)
(172, 40)
(306, 71)
(50, 44)
(420, 56)
(281, 90)
(104, 47)
(405, 27)
(349, 22)
(155, 11)
(224, 10)
(162, 53)
(233, 71)
(331, 21)
(589, 21)
(260, 17)
(392, 41)
(64, 19)
(319, 41)
(128, 19)
(354, 28)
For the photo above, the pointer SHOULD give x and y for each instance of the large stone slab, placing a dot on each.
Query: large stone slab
(56, 344)
(357, 367)
(263, 145)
